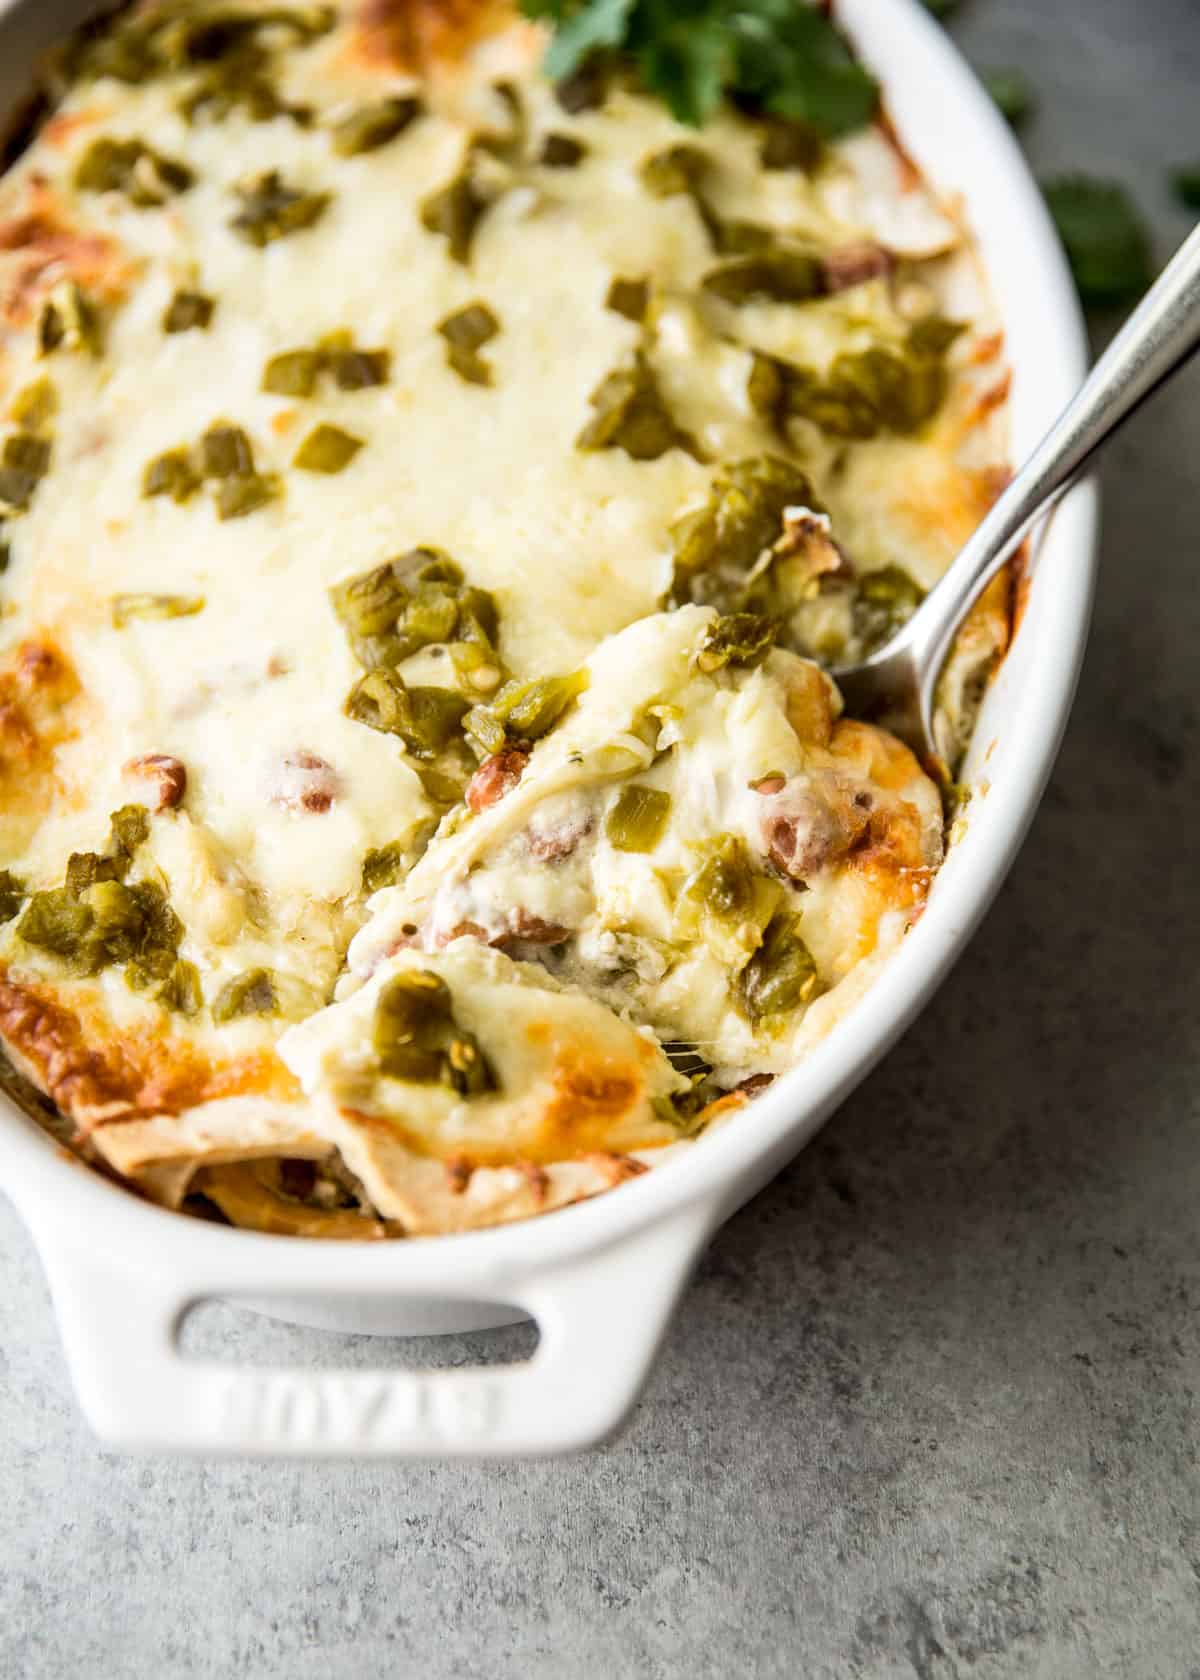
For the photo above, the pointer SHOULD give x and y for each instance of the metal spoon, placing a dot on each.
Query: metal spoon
(898, 681)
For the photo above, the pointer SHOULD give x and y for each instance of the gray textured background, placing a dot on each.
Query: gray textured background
(930, 1408)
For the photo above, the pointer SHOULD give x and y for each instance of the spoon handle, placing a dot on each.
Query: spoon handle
(1160, 335)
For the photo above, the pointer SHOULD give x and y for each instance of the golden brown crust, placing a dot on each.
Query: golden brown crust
(422, 36)
(38, 691)
(94, 1079)
(40, 246)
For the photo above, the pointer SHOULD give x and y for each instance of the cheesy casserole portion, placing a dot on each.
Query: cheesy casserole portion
(428, 497)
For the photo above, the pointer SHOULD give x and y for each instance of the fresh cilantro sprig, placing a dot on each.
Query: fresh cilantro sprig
(1185, 183)
(778, 56)
(1105, 238)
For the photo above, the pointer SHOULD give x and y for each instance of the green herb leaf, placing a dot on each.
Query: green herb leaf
(1011, 93)
(581, 30)
(775, 56)
(1185, 183)
(1105, 238)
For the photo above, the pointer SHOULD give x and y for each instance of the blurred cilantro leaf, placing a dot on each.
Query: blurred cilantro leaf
(1010, 92)
(1104, 237)
(780, 56)
(1185, 183)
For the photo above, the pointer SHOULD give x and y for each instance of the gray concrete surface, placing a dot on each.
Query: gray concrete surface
(930, 1408)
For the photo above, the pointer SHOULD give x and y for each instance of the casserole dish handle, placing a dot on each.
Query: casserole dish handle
(601, 1316)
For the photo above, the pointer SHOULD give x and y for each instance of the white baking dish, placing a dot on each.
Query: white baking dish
(601, 1279)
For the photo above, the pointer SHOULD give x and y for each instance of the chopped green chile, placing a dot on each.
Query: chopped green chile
(226, 452)
(5, 550)
(385, 866)
(415, 601)
(58, 922)
(24, 462)
(465, 332)
(171, 474)
(632, 415)
(468, 366)
(245, 493)
(425, 718)
(789, 145)
(780, 977)
(140, 46)
(70, 321)
(740, 639)
(146, 177)
(476, 666)
(96, 920)
(933, 335)
(717, 547)
(723, 884)
(587, 87)
(411, 1013)
(327, 449)
(775, 276)
(766, 390)
(455, 211)
(251, 993)
(24, 452)
(35, 405)
(12, 895)
(470, 328)
(638, 819)
(16, 489)
(220, 93)
(358, 370)
(416, 1038)
(525, 709)
(508, 143)
(128, 829)
(561, 151)
(733, 238)
(293, 373)
(272, 210)
(883, 601)
(444, 787)
(630, 298)
(864, 392)
(125, 608)
(374, 125)
(678, 169)
(178, 990)
(188, 310)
